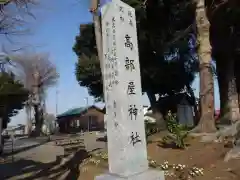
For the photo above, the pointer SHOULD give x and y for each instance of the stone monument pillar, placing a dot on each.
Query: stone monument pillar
(127, 152)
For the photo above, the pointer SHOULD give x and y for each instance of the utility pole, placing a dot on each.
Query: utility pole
(56, 108)
(97, 29)
(98, 35)
(86, 99)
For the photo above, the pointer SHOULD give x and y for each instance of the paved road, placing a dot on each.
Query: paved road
(22, 143)
(42, 157)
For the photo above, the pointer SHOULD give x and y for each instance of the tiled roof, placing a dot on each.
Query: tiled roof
(76, 111)
(73, 111)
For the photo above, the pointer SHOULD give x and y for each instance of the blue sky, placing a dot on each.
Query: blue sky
(54, 30)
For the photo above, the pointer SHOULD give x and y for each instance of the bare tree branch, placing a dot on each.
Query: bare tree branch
(12, 19)
(17, 3)
(30, 63)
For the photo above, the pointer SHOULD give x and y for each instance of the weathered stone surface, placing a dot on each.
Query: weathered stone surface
(127, 152)
(206, 137)
(148, 175)
(211, 137)
(225, 131)
(233, 154)
(230, 130)
(237, 134)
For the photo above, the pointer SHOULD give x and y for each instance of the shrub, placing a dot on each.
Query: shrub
(177, 132)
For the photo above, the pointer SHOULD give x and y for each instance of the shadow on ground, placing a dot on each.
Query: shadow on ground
(30, 170)
(171, 145)
(102, 139)
(22, 149)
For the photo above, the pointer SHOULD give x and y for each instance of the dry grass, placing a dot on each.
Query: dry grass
(208, 156)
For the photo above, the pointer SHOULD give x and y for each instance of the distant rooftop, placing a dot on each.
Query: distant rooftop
(76, 111)
(16, 127)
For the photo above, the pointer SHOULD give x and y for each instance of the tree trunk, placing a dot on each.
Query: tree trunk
(36, 117)
(229, 98)
(196, 112)
(232, 101)
(1, 138)
(237, 75)
(38, 120)
(28, 128)
(37, 103)
(223, 87)
(207, 122)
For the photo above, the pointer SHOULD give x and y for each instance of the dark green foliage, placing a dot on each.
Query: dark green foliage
(12, 97)
(178, 133)
(167, 103)
(88, 72)
(166, 38)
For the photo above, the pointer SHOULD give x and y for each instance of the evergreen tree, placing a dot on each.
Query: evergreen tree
(167, 51)
(13, 96)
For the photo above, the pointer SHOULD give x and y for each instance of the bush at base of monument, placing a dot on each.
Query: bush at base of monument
(178, 132)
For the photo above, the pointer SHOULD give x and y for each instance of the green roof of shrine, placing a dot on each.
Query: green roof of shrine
(73, 111)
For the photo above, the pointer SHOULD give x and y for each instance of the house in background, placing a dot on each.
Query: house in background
(89, 118)
(181, 104)
(16, 130)
(185, 112)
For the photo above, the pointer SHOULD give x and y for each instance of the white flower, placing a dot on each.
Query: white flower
(84, 169)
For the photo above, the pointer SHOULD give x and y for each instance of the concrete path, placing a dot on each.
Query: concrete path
(45, 159)
(22, 143)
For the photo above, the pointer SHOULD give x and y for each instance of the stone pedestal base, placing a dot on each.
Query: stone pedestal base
(147, 175)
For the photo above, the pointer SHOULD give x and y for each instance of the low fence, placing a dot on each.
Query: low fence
(70, 145)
